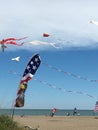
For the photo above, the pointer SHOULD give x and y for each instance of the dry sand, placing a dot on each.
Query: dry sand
(59, 122)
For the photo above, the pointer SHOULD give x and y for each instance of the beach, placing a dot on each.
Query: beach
(59, 122)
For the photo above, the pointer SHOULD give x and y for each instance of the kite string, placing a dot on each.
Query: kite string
(62, 89)
(58, 88)
(68, 73)
(59, 40)
(55, 87)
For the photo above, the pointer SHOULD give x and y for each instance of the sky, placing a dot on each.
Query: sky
(74, 53)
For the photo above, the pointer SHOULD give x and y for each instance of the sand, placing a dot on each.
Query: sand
(59, 122)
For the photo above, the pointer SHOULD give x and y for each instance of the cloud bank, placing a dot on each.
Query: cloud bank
(66, 20)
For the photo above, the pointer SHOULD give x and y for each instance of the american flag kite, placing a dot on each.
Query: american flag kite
(29, 72)
(96, 107)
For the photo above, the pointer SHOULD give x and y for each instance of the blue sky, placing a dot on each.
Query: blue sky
(68, 23)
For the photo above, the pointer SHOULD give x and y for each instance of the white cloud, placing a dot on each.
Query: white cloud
(68, 20)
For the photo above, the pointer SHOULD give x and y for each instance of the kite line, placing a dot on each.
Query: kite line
(55, 87)
(62, 89)
(68, 73)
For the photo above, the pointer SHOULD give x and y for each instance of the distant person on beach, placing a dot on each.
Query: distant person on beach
(53, 112)
(75, 111)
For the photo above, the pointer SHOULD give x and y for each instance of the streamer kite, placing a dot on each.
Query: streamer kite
(29, 72)
(55, 39)
(43, 43)
(12, 41)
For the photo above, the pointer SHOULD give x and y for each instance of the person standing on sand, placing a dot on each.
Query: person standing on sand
(53, 112)
(75, 111)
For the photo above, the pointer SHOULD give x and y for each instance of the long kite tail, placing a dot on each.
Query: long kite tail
(52, 44)
(14, 39)
(20, 38)
(14, 43)
(19, 44)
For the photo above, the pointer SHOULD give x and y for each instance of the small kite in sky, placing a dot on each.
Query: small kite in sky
(94, 22)
(12, 41)
(16, 58)
(43, 43)
(46, 34)
(56, 41)
(29, 72)
(53, 37)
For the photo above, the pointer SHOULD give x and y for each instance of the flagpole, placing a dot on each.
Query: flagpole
(13, 111)
(12, 116)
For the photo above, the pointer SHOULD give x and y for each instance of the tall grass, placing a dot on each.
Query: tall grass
(6, 123)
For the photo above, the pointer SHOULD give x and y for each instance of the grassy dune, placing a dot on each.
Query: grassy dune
(6, 123)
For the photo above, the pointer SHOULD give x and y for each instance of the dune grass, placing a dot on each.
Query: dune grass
(6, 123)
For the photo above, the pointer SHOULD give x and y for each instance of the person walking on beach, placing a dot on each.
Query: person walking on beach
(53, 112)
(75, 111)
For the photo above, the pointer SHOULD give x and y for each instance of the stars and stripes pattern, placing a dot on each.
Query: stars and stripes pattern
(29, 72)
(31, 68)
(96, 107)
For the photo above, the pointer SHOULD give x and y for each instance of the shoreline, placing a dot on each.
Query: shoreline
(47, 112)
